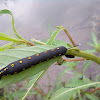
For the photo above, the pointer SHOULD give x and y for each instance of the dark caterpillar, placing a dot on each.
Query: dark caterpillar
(22, 64)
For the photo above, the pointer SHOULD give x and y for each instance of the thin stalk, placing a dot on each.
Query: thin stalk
(39, 42)
(41, 92)
(70, 37)
(29, 43)
(77, 59)
(76, 52)
(94, 90)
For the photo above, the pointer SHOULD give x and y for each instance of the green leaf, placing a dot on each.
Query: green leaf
(95, 41)
(6, 37)
(50, 29)
(10, 96)
(58, 85)
(64, 94)
(91, 96)
(91, 44)
(53, 36)
(49, 94)
(91, 50)
(20, 93)
(79, 95)
(97, 77)
(71, 64)
(63, 72)
(75, 81)
(37, 42)
(6, 46)
(32, 82)
(61, 43)
(6, 11)
(12, 55)
(86, 65)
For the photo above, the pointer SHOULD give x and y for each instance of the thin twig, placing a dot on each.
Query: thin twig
(76, 52)
(29, 43)
(94, 90)
(37, 41)
(69, 37)
(77, 59)
(41, 92)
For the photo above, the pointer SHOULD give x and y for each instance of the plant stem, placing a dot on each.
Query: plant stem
(41, 92)
(77, 59)
(69, 37)
(29, 43)
(39, 42)
(94, 90)
(76, 52)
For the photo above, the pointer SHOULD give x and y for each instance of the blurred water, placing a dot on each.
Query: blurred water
(79, 17)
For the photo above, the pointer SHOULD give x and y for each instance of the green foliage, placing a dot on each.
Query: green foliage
(50, 29)
(75, 88)
(53, 36)
(61, 43)
(66, 94)
(6, 11)
(91, 97)
(86, 65)
(96, 43)
(6, 37)
(6, 46)
(9, 56)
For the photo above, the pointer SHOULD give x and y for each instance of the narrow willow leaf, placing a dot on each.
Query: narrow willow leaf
(37, 42)
(12, 55)
(91, 44)
(61, 43)
(58, 94)
(6, 37)
(86, 65)
(6, 46)
(6, 11)
(18, 94)
(79, 95)
(10, 96)
(49, 94)
(32, 83)
(58, 85)
(53, 36)
(91, 97)
(63, 72)
(50, 29)
(95, 41)
(91, 50)
(97, 77)
(75, 81)
(63, 93)
(70, 64)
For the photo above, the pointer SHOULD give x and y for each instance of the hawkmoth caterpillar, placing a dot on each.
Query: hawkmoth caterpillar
(31, 61)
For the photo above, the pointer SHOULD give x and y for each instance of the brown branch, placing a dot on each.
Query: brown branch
(70, 60)
(41, 92)
(94, 90)
(78, 59)
(69, 37)
(29, 43)
(77, 71)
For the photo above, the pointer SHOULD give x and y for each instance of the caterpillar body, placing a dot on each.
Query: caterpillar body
(23, 64)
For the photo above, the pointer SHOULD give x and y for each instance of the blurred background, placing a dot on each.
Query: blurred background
(79, 17)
